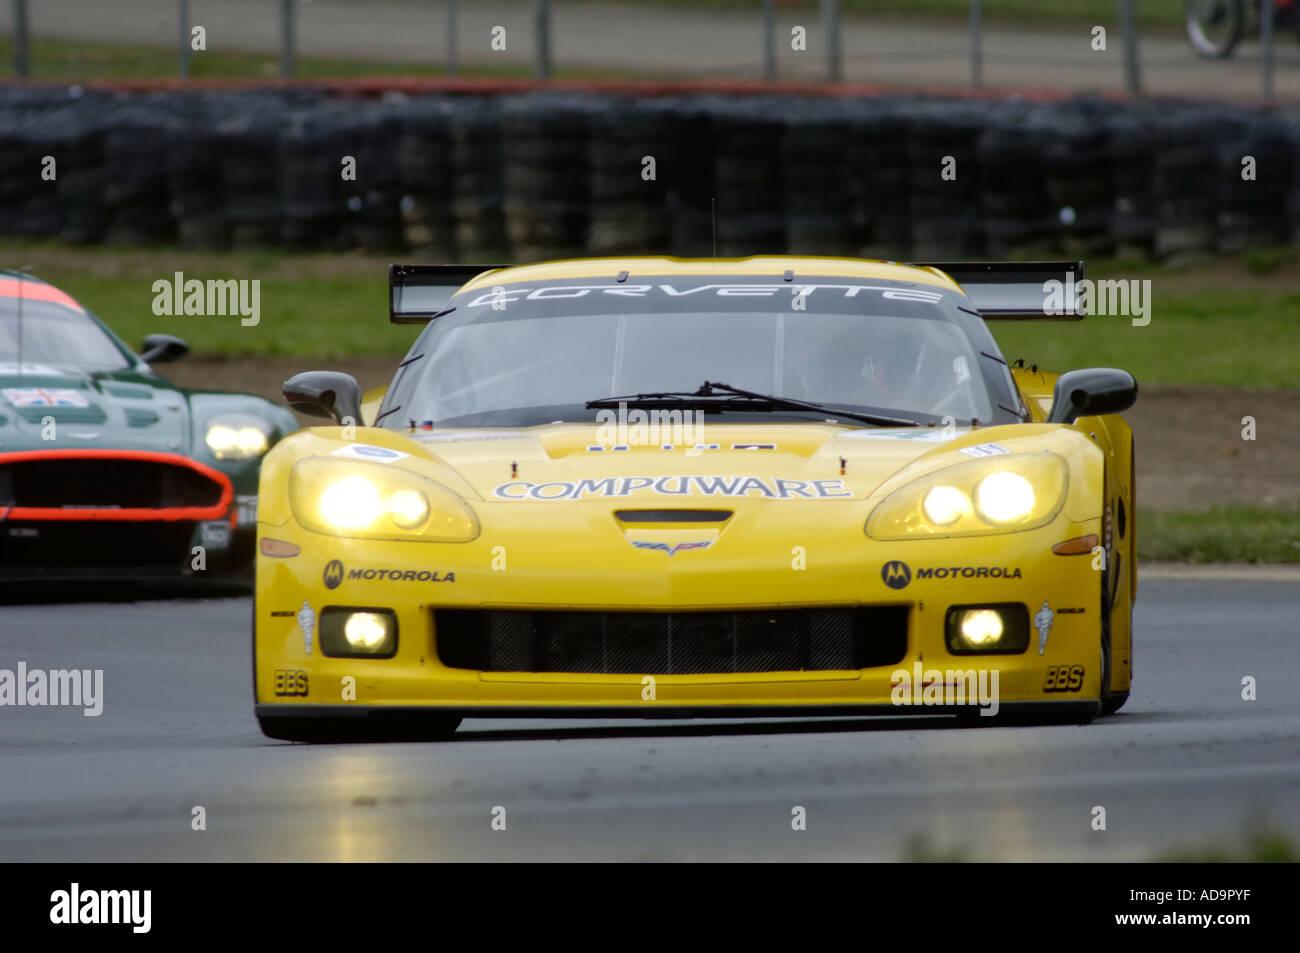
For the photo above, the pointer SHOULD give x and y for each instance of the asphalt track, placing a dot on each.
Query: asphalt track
(1186, 764)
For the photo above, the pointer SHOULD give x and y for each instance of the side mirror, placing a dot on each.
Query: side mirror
(1090, 392)
(161, 348)
(325, 394)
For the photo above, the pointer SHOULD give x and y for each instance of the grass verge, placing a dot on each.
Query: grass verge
(1223, 324)
(1150, 13)
(1223, 534)
(52, 59)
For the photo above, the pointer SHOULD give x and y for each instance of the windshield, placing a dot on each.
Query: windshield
(54, 334)
(533, 360)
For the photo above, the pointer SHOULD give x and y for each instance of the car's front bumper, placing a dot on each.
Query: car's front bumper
(574, 571)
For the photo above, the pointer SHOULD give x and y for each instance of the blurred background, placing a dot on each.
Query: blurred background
(1044, 44)
(1155, 138)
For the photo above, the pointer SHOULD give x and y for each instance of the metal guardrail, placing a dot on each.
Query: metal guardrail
(544, 64)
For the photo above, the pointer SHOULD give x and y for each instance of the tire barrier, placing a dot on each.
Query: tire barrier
(524, 176)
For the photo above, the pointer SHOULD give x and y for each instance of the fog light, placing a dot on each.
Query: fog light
(366, 631)
(998, 629)
(981, 626)
(347, 632)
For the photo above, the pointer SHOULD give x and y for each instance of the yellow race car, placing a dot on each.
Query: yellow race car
(677, 488)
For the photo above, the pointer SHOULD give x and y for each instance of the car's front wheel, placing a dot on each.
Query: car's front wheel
(1111, 702)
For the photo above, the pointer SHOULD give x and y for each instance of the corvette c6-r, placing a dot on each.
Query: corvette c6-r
(669, 488)
(107, 470)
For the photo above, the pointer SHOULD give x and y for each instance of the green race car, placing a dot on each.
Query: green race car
(108, 470)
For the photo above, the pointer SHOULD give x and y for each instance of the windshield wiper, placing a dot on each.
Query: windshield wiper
(710, 390)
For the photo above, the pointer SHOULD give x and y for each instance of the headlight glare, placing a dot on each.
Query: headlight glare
(236, 440)
(1003, 494)
(1004, 497)
(981, 626)
(350, 503)
(360, 499)
(944, 505)
(365, 631)
(1000, 628)
(408, 508)
(358, 632)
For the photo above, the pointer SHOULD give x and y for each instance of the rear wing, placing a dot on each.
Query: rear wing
(1000, 290)
(419, 293)
(1018, 290)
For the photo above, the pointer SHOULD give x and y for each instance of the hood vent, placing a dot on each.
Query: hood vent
(673, 516)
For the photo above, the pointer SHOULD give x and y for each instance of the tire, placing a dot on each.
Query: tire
(1111, 702)
(1227, 16)
(342, 730)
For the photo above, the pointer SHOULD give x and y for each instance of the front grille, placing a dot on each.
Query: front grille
(671, 643)
(118, 483)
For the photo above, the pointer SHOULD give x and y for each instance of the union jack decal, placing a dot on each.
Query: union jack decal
(45, 397)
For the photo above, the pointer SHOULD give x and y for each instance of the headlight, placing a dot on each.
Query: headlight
(408, 508)
(345, 497)
(944, 505)
(237, 438)
(1006, 493)
(350, 503)
(1004, 497)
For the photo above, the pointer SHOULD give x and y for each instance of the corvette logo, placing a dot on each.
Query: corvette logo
(674, 549)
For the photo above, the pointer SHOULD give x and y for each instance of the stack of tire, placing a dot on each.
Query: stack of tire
(477, 181)
(1187, 172)
(945, 179)
(816, 189)
(545, 153)
(249, 144)
(424, 169)
(1131, 150)
(79, 150)
(1079, 182)
(1013, 192)
(688, 177)
(880, 177)
(747, 177)
(31, 205)
(135, 172)
(547, 175)
(313, 206)
(196, 199)
(1290, 123)
(1255, 181)
(631, 160)
(372, 135)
